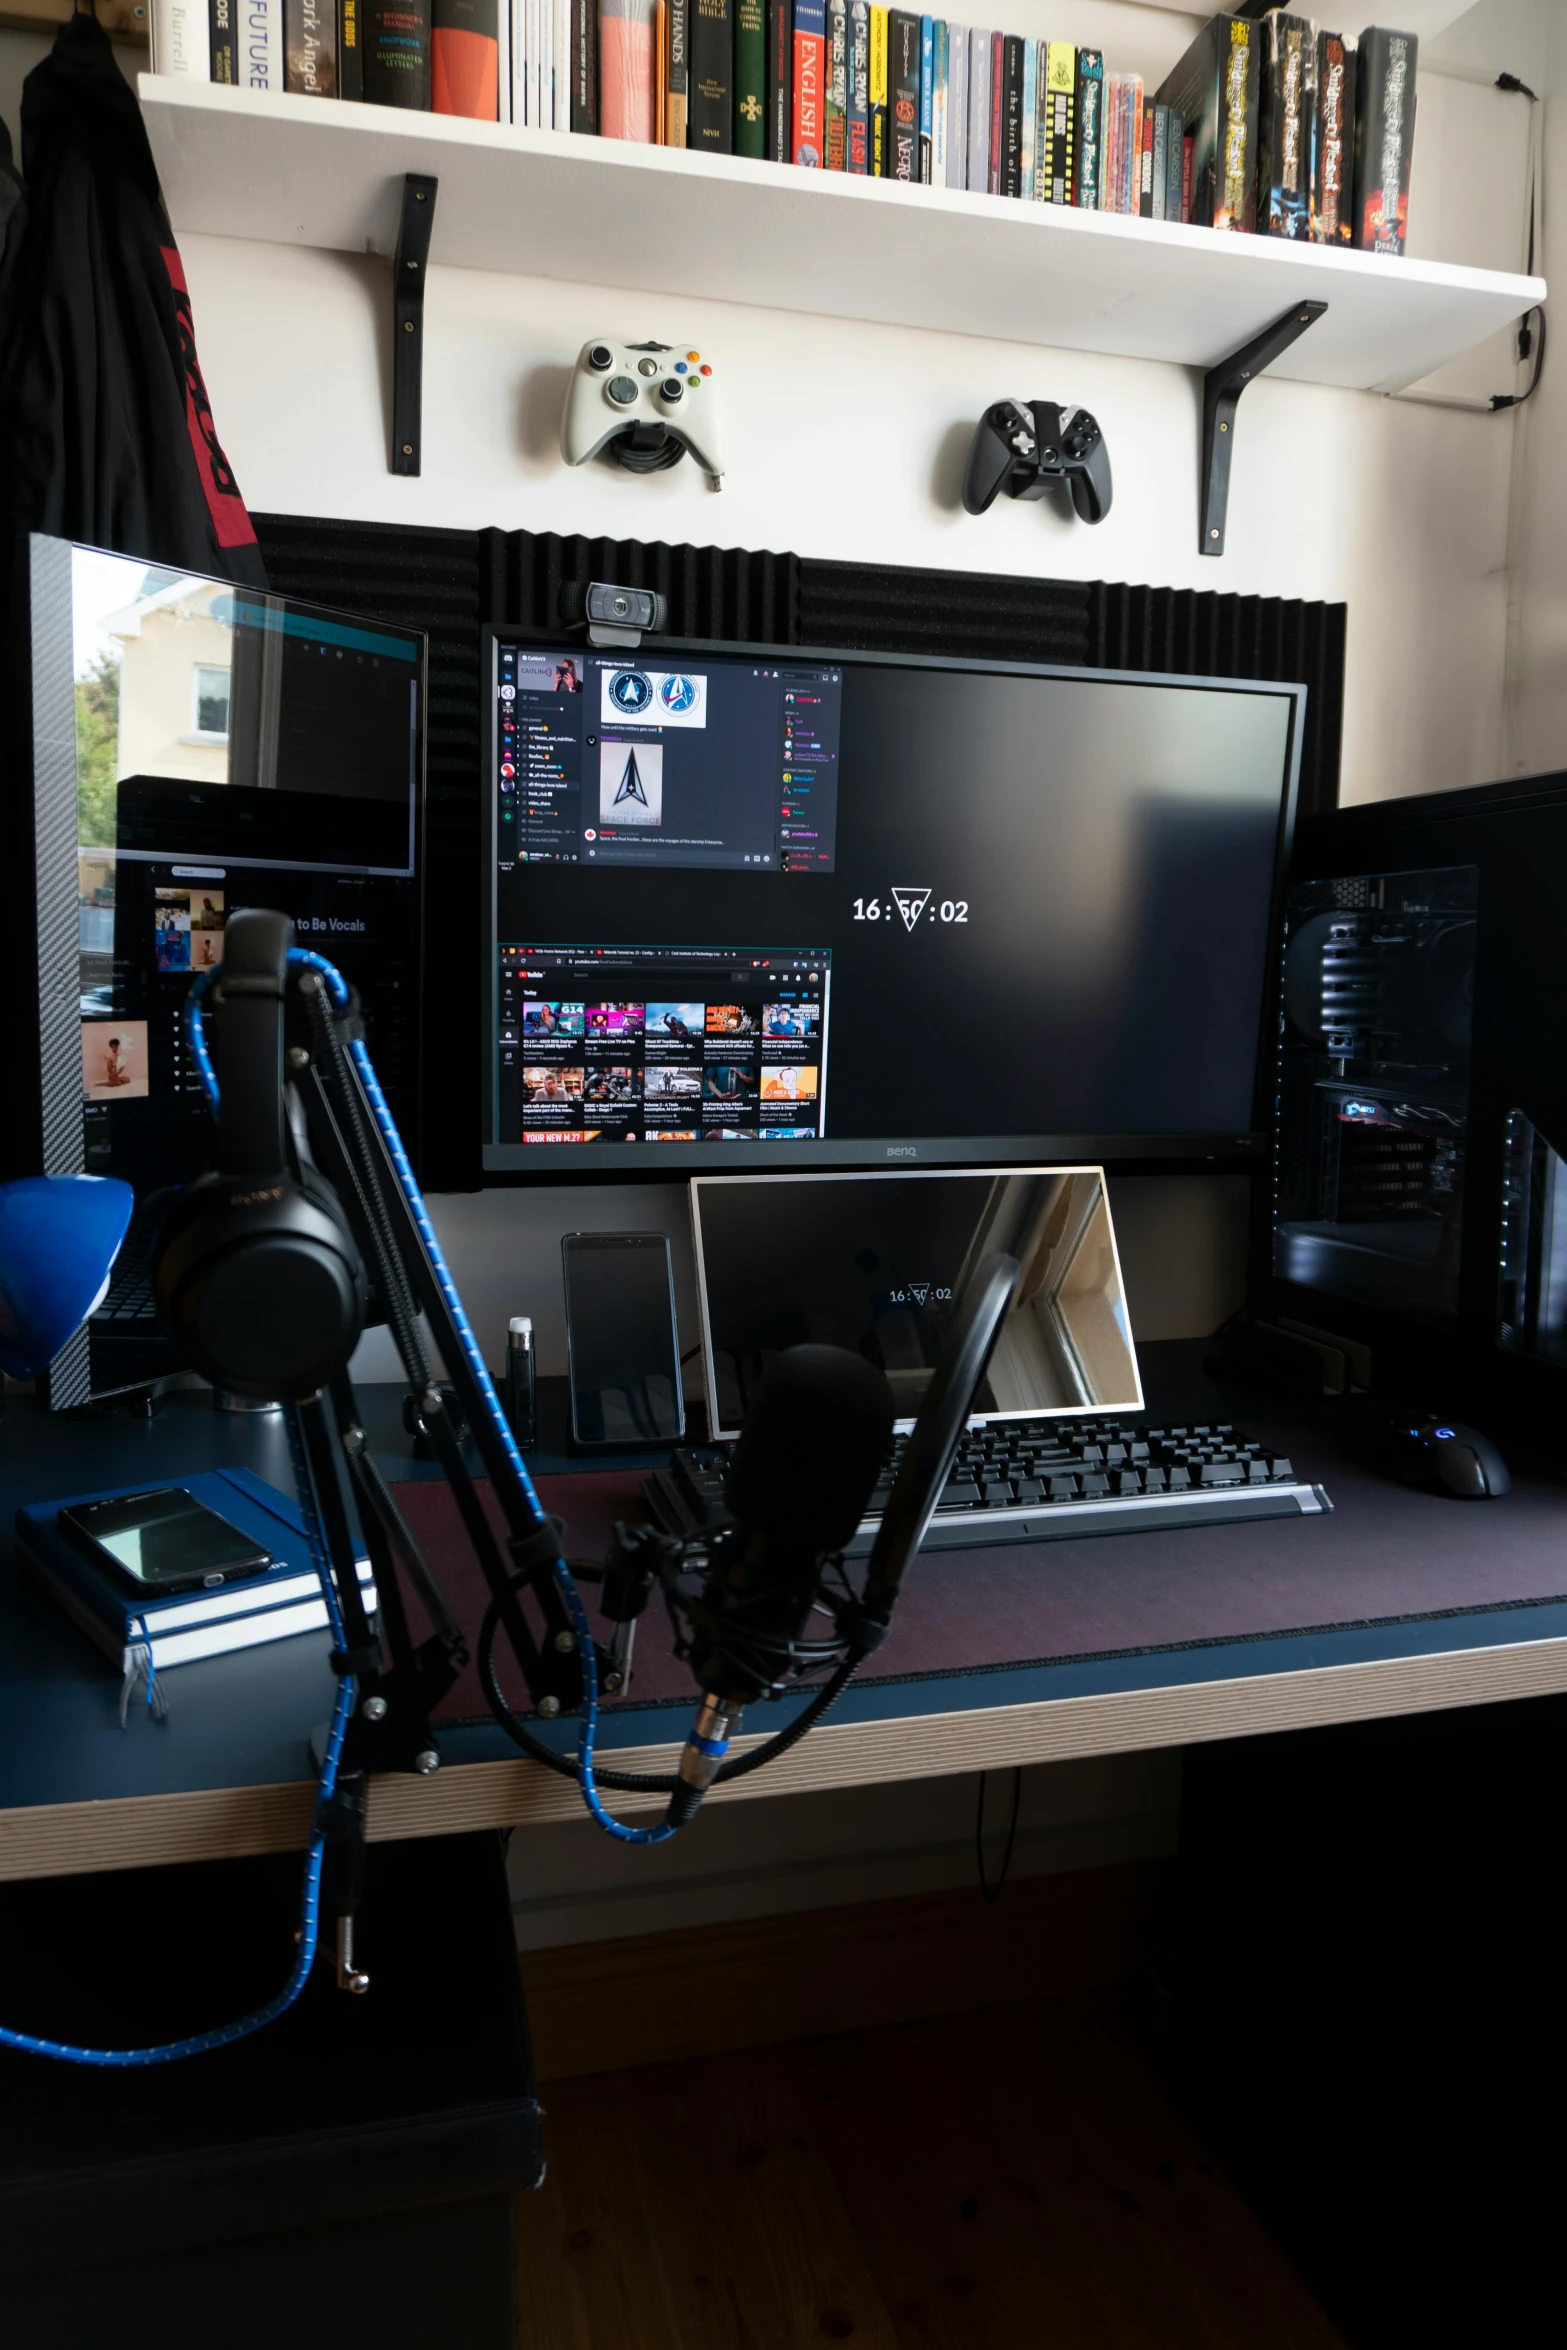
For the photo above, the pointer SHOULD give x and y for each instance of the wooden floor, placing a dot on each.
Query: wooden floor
(990, 2181)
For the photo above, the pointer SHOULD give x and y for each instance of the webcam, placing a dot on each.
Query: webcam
(613, 615)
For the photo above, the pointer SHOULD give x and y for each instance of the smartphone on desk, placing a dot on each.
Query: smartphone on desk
(166, 1541)
(622, 1349)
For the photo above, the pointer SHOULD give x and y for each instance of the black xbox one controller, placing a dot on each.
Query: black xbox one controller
(1025, 448)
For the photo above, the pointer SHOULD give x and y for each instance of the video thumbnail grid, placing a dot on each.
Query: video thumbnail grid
(707, 1048)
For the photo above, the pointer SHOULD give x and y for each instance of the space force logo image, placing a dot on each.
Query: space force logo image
(653, 697)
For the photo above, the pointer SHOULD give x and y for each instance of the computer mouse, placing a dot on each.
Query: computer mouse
(1454, 1459)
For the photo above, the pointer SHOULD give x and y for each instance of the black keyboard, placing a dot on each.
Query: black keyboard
(128, 1303)
(1041, 1480)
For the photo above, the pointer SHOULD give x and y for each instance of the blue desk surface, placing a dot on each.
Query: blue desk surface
(245, 1721)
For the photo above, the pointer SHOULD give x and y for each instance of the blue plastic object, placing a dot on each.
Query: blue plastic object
(59, 1237)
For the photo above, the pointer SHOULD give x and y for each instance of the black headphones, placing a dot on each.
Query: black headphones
(256, 1271)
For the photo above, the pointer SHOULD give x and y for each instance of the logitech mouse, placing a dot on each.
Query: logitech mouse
(1454, 1459)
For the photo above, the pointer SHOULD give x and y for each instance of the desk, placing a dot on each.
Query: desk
(1398, 1602)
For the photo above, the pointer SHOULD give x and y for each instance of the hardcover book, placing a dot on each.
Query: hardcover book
(677, 72)
(876, 97)
(1333, 143)
(1160, 159)
(1012, 116)
(1214, 90)
(857, 148)
(810, 42)
(397, 54)
(259, 45)
(560, 61)
(1089, 131)
(1286, 109)
(978, 112)
(1174, 151)
(584, 67)
(1055, 175)
(927, 97)
(182, 39)
(1145, 131)
(1384, 137)
(780, 81)
(750, 77)
(220, 36)
(710, 102)
(957, 106)
(464, 58)
(837, 114)
(1030, 119)
(998, 111)
(903, 95)
(627, 70)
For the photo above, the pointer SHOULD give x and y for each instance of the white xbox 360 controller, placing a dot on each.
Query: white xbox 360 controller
(646, 403)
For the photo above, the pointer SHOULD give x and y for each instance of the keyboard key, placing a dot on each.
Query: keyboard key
(1256, 1472)
(1094, 1484)
(1063, 1489)
(1180, 1479)
(997, 1493)
(1283, 1472)
(1222, 1473)
(1029, 1489)
(958, 1494)
(1128, 1481)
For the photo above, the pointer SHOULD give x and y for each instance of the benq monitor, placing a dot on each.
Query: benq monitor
(831, 909)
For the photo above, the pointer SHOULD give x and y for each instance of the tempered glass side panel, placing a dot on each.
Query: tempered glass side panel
(1374, 1087)
(1532, 1262)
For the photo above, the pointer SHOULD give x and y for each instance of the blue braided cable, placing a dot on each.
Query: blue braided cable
(196, 1036)
(199, 2043)
(337, 988)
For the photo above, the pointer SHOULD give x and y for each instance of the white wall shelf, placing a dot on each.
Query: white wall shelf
(297, 171)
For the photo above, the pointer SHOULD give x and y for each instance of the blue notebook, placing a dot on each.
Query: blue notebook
(143, 1637)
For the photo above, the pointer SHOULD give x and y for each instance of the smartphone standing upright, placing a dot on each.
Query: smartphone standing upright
(622, 1344)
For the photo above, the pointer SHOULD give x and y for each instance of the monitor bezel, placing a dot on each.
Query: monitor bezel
(756, 1175)
(673, 1161)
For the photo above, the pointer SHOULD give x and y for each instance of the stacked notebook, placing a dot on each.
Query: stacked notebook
(143, 1637)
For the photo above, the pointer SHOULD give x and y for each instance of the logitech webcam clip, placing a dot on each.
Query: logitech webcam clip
(1027, 447)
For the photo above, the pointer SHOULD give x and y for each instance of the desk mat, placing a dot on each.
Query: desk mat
(1385, 1554)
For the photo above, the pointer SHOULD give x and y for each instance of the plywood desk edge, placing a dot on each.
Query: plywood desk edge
(145, 1831)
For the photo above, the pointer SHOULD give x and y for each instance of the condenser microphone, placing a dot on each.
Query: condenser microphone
(803, 1471)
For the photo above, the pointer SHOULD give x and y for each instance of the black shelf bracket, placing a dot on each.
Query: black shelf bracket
(1222, 387)
(409, 272)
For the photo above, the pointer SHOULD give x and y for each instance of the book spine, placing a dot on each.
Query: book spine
(1384, 138)
(837, 113)
(938, 104)
(998, 112)
(1012, 116)
(780, 80)
(977, 160)
(710, 104)
(397, 54)
(464, 59)
(1088, 162)
(220, 41)
(957, 106)
(350, 49)
(661, 38)
(1332, 142)
(876, 97)
(560, 62)
(677, 72)
(532, 51)
(903, 95)
(1173, 149)
(1145, 131)
(261, 44)
(1056, 166)
(584, 67)
(1188, 144)
(927, 98)
(1235, 189)
(626, 71)
(750, 135)
(857, 148)
(1285, 110)
(810, 42)
(1159, 161)
(1029, 121)
(182, 39)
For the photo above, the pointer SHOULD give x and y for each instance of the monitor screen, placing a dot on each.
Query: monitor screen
(952, 912)
(876, 1263)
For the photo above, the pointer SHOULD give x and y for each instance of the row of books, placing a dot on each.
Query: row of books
(1274, 125)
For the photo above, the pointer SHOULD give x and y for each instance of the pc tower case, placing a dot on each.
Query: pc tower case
(1421, 1159)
